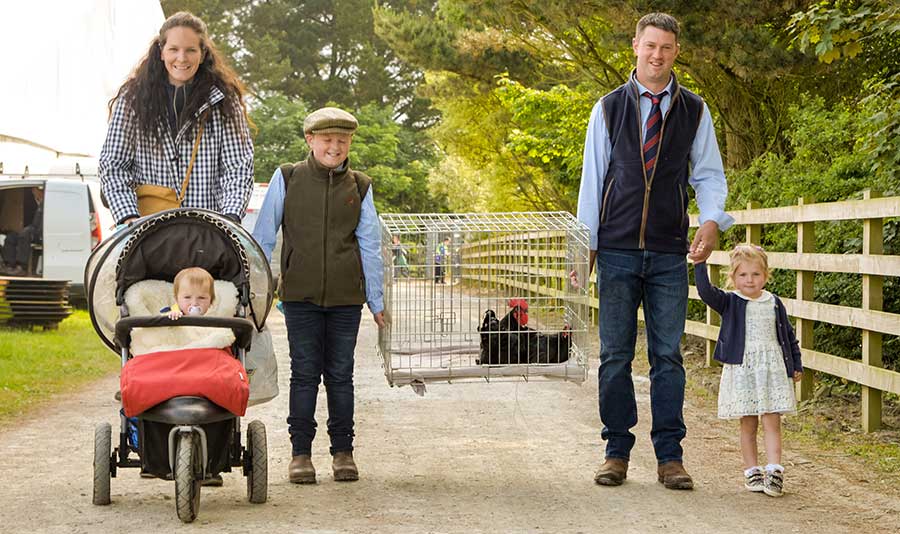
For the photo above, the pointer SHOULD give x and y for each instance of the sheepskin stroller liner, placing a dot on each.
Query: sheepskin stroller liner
(157, 248)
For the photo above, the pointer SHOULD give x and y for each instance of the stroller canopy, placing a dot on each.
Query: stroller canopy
(159, 246)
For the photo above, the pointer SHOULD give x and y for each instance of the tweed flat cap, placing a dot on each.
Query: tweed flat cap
(329, 120)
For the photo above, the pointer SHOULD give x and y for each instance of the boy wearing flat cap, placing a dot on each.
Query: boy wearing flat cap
(330, 265)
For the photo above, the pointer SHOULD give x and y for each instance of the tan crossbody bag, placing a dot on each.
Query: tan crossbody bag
(156, 198)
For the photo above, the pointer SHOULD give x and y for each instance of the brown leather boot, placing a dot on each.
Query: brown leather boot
(613, 472)
(301, 470)
(344, 467)
(673, 476)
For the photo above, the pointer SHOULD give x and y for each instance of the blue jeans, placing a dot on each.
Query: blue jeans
(626, 279)
(322, 341)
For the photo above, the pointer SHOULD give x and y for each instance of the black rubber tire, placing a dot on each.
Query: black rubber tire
(258, 476)
(102, 453)
(187, 486)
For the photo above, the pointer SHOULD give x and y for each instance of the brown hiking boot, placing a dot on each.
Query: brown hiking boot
(673, 476)
(301, 470)
(613, 472)
(344, 467)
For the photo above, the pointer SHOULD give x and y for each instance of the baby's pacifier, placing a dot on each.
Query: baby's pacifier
(195, 310)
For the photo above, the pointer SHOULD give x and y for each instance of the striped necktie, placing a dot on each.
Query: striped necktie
(654, 127)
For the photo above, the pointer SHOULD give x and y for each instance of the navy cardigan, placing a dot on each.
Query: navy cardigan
(733, 309)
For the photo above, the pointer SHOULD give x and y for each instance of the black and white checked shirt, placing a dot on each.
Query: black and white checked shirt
(222, 177)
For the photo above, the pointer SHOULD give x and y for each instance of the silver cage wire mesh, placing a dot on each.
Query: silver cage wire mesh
(444, 272)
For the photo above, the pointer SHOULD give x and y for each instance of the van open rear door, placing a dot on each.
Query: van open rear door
(67, 230)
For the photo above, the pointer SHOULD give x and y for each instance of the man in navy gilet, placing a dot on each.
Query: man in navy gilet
(646, 142)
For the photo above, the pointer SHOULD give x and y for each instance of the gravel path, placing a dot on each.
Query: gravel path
(473, 458)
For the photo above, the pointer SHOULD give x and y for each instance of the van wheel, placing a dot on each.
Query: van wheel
(187, 486)
(102, 447)
(258, 474)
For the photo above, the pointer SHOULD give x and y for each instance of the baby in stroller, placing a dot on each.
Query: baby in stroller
(194, 293)
(183, 376)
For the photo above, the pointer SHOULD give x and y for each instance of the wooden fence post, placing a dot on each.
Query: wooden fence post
(872, 299)
(806, 243)
(753, 232)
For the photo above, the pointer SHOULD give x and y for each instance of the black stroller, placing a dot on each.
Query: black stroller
(185, 438)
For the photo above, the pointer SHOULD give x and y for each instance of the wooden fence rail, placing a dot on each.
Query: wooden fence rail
(531, 277)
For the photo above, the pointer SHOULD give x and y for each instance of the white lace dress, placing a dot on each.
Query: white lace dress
(760, 384)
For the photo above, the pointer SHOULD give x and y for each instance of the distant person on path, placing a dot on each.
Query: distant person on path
(441, 259)
(401, 264)
(646, 142)
(760, 357)
(178, 132)
(330, 265)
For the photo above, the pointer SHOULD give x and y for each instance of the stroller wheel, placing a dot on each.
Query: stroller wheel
(187, 486)
(102, 447)
(256, 462)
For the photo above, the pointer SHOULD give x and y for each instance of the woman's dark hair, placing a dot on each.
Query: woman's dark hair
(145, 90)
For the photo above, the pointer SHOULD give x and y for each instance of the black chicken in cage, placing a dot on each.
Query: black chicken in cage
(509, 341)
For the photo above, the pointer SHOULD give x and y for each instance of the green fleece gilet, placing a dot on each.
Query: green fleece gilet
(320, 258)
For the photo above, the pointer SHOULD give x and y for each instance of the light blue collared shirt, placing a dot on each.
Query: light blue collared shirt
(707, 174)
(368, 235)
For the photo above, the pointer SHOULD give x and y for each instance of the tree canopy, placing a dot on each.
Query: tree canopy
(492, 97)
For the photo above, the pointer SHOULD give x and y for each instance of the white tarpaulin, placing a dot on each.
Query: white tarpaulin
(61, 62)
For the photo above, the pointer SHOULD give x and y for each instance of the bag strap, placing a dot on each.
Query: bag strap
(187, 175)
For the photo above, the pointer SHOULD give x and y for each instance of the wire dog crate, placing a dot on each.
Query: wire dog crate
(484, 296)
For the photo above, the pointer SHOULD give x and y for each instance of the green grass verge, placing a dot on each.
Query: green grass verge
(35, 365)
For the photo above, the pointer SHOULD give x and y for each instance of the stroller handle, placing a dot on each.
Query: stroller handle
(242, 328)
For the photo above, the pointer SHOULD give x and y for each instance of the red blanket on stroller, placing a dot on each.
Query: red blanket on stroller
(150, 379)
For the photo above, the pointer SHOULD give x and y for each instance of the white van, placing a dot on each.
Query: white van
(74, 222)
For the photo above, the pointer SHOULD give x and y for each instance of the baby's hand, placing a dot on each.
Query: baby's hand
(175, 313)
(798, 375)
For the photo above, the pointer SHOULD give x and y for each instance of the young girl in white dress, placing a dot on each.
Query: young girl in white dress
(760, 357)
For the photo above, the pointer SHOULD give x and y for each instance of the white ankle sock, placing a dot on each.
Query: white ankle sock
(775, 467)
(754, 469)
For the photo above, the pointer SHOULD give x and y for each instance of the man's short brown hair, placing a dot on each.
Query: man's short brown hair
(663, 21)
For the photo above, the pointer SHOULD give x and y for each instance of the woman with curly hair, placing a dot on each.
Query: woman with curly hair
(178, 132)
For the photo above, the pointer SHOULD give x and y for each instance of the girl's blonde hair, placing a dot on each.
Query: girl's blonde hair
(198, 277)
(747, 253)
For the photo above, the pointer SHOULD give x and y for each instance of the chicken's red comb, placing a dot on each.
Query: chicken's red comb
(522, 304)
